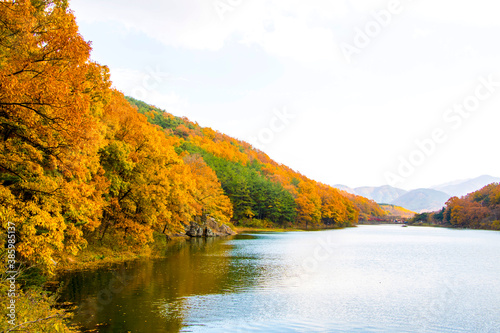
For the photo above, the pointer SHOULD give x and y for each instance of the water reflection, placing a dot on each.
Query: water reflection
(367, 279)
(150, 296)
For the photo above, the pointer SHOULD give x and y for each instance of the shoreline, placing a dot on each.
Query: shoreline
(95, 257)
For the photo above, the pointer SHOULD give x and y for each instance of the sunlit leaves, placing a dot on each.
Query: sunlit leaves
(208, 193)
(49, 136)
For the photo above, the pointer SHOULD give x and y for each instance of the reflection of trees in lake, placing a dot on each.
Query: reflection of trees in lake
(153, 294)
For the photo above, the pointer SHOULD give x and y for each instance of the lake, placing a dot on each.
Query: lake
(366, 279)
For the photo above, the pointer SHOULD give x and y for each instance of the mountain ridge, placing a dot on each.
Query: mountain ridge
(422, 199)
(462, 188)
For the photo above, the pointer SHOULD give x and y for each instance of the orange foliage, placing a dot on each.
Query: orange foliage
(150, 186)
(50, 96)
(336, 208)
(209, 196)
(480, 209)
(308, 205)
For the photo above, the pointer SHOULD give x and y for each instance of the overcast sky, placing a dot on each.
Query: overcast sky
(356, 92)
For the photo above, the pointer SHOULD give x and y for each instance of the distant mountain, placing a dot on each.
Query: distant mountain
(464, 187)
(422, 200)
(345, 188)
(381, 194)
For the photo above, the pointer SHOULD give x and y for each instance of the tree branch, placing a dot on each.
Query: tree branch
(31, 322)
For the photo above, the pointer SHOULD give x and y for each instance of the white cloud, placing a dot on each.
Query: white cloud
(284, 31)
(186, 23)
(362, 114)
(479, 13)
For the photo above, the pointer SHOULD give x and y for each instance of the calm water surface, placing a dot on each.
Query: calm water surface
(366, 279)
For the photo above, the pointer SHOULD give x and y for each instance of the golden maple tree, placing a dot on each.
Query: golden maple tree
(50, 95)
(209, 196)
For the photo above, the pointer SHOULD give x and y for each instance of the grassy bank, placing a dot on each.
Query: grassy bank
(102, 254)
(36, 301)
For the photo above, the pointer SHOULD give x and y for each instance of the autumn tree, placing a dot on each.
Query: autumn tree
(50, 97)
(208, 193)
(150, 187)
(336, 211)
(308, 205)
(476, 210)
(479, 209)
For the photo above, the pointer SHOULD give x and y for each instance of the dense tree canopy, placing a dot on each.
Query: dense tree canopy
(50, 98)
(80, 163)
(477, 210)
(260, 188)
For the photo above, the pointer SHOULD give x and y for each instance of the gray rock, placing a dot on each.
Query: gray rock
(226, 230)
(194, 230)
(209, 228)
(210, 233)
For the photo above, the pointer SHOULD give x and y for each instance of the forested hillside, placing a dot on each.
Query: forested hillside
(260, 188)
(80, 164)
(476, 210)
(397, 212)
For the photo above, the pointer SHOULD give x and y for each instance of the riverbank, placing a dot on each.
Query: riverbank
(107, 252)
(96, 256)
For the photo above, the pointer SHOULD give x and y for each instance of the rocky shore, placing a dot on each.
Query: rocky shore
(208, 228)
